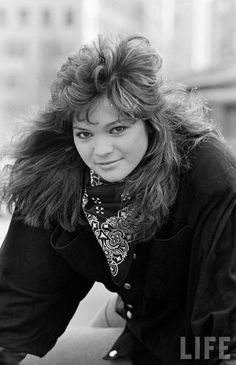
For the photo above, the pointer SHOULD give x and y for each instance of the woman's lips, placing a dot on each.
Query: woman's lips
(107, 163)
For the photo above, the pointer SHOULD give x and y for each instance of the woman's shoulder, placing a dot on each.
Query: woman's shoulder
(212, 167)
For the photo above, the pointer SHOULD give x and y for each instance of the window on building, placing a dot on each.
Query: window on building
(15, 48)
(50, 49)
(23, 16)
(15, 108)
(137, 11)
(11, 81)
(230, 114)
(69, 17)
(46, 16)
(224, 42)
(3, 17)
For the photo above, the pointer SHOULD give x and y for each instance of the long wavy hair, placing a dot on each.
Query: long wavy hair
(46, 181)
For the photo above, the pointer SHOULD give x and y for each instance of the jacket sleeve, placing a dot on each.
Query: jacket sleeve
(9, 357)
(39, 291)
(213, 317)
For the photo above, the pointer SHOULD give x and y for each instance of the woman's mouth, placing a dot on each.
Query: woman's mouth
(108, 163)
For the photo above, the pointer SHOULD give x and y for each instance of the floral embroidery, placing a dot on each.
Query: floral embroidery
(85, 199)
(97, 200)
(95, 178)
(114, 235)
(125, 197)
(99, 210)
(113, 232)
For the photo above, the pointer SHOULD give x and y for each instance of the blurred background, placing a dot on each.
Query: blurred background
(196, 39)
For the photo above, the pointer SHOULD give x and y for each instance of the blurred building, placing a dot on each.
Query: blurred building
(34, 36)
(122, 17)
(196, 38)
(212, 67)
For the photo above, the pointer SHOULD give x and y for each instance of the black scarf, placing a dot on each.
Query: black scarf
(112, 223)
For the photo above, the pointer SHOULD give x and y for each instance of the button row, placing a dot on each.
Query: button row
(127, 286)
(112, 353)
(129, 314)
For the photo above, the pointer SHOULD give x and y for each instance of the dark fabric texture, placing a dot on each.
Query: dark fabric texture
(8, 357)
(182, 283)
(39, 291)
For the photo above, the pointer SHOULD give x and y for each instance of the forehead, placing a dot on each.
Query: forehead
(102, 112)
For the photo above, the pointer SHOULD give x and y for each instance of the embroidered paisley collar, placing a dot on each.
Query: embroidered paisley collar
(111, 224)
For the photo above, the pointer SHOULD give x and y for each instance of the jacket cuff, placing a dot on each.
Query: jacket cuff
(126, 346)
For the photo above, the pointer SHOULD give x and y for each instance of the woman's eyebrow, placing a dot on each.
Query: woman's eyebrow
(80, 128)
(77, 126)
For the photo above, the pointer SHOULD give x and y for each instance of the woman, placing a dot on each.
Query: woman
(122, 180)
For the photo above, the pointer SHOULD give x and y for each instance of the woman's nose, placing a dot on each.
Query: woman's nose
(102, 147)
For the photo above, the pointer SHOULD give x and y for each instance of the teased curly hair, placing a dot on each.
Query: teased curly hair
(46, 181)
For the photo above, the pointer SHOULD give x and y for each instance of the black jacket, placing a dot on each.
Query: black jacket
(181, 284)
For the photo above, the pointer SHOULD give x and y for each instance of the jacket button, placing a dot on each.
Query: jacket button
(134, 256)
(113, 353)
(129, 314)
(127, 286)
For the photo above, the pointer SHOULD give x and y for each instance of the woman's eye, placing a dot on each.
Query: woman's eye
(83, 135)
(119, 129)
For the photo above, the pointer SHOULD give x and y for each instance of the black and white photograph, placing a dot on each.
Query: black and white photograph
(117, 182)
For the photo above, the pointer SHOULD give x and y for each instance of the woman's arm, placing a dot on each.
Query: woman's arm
(39, 291)
(214, 311)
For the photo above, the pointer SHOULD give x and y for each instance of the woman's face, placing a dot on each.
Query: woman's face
(110, 145)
